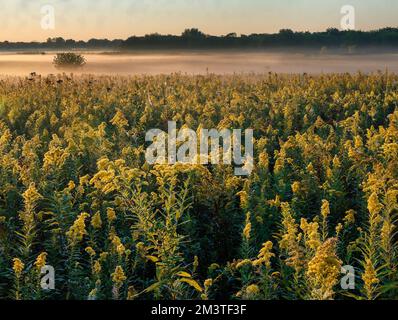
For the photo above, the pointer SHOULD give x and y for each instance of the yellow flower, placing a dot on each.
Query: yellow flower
(104, 180)
(275, 202)
(244, 199)
(41, 261)
(120, 249)
(195, 263)
(263, 160)
(103, 163)
(118, 277)
(374, 205)
(97, 267)
(310, 169)
(339, 228)
(369, 278)
(85, 180)
(96, 221)
(304, 224)
(265, 255)
(349, 217)
(329, 173)
(92, 295)
(336, 162)
(313, 240)
(71, 185)
(296, 187)
(31, 195)
(325, 210)
(248, 227)
(119, 120)
(290, 239)
(324, 270)
(252, 290)
(208, 283)
(117, 244)
(18, 267)
(55, 157)
(278, 165)
(358, 142)
(245, 262)
(111, 214)
(90, 251)
(78, 230)
(104, 256)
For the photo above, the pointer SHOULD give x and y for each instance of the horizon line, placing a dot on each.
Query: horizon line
(206, 34)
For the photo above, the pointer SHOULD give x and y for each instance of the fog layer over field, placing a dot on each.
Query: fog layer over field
(203, 62)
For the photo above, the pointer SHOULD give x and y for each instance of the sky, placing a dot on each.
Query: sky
(21, 20)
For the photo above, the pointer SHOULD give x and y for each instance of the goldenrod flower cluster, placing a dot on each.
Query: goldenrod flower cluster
(118, 277)
(265, 255)
(323, 270)
(41, 261)
(78, 230)
(18, 267)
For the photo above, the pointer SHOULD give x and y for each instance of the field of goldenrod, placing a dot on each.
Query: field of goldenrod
(77, 194)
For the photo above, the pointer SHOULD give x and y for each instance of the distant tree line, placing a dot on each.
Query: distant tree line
(195, 39)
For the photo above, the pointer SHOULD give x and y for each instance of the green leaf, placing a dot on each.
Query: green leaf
(184, 274)
(153, 258)
(192, 283)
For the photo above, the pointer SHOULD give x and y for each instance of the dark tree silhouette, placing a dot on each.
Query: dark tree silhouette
(194, 38)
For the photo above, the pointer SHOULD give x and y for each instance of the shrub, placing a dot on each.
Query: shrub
(69, 60)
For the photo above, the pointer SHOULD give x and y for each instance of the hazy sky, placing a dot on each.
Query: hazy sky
(85, 19)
